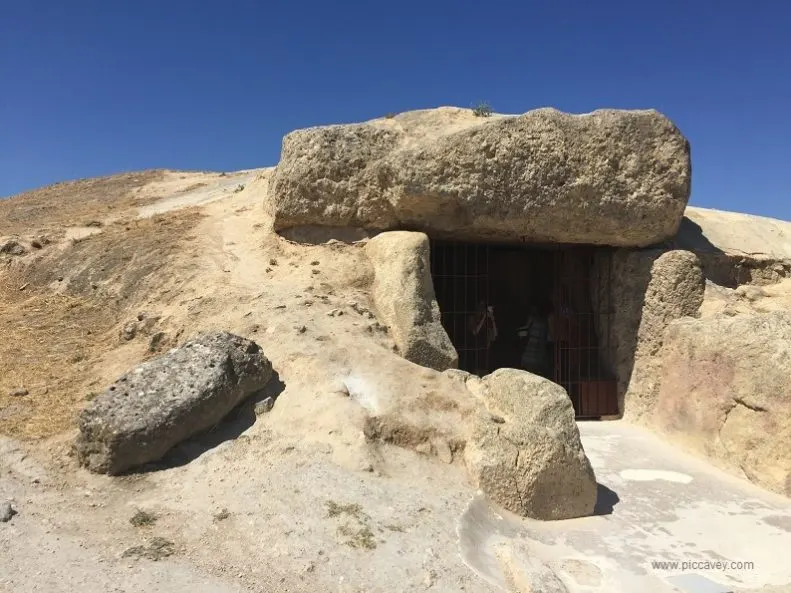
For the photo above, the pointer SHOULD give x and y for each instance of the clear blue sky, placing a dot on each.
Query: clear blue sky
(91, 88)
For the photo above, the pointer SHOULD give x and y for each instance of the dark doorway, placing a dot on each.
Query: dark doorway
(509, 306)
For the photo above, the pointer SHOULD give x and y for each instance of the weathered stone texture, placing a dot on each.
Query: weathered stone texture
(609, 177)
(525, 451)
(645, 290)
(726, 391)
(158, 404)
(403, 295)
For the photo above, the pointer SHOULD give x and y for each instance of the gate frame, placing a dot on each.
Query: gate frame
(593, 395)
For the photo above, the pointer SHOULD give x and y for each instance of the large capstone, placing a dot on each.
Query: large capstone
(609, 177)
(159, 403)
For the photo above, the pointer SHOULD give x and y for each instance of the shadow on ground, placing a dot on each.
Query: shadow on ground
(606, 500)
(231, 427)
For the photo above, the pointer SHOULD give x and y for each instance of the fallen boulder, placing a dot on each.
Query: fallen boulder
(609, 177)
(159, 403)
(403, 295)
(525, 451)
(725, 391)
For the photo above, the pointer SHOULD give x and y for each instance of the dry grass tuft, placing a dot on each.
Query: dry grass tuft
(46, 351)
(143, 519)
(74, 301)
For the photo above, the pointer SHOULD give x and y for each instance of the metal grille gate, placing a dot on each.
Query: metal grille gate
(582, 327)
(460, 272)
(580, 313)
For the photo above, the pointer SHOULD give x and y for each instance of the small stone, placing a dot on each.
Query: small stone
(222, 515)
(6, 512)
(156, 548)
(60, 278)
(335, 313)
(315, 271)
(19, 392)
(424, 448)
(315, 262)
(268, 270)
(273, 262)
(339, 388)
(13, 247)
(264, 406)
(129, 331)
(429, 578)
(302, 329)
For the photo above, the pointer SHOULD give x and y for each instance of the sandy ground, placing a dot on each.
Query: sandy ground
(656, 504)
(292, 519)
(295, 499)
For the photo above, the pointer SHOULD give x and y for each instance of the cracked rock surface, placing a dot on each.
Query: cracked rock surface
(725, 390)
(525, 451)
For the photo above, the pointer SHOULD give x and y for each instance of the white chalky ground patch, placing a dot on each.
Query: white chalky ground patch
(649, 475)
(363, 392)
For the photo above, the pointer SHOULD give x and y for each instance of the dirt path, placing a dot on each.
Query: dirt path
(207, 192)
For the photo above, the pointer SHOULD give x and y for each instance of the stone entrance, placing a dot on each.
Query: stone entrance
(532, 308)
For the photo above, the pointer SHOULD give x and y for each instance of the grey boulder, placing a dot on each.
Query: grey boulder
(161, 402)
